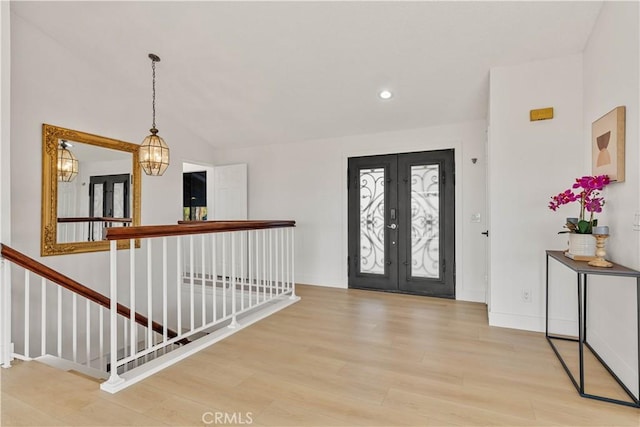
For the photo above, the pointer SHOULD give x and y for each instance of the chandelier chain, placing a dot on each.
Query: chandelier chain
(153, 102)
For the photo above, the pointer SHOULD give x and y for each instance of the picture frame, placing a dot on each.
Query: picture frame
(607, 145)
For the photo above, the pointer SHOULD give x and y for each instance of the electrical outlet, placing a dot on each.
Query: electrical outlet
(526, 295)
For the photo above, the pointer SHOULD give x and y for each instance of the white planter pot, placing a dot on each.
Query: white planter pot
(582, 244)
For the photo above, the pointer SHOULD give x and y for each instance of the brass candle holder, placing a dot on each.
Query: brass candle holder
(600, 252)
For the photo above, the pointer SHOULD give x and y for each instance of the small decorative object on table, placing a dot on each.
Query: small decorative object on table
(601, 233)
(581, 240)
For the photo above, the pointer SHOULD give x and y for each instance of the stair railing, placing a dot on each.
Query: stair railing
(182, 289)
(49, 306)
(202, 279)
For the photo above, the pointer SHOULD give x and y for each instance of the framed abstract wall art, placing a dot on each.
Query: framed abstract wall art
(607, 145)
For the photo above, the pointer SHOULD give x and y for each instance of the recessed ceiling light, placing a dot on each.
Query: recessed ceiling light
(385, 94)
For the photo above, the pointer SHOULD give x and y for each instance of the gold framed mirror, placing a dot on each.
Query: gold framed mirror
(104, 190)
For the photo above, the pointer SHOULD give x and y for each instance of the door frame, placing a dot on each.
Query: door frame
(406, 147)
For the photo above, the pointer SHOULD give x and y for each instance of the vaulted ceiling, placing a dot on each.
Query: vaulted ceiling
(249, 73)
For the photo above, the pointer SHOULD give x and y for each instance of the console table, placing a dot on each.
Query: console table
(583, 270)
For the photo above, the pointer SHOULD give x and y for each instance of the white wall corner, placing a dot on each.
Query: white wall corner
(533, 323)
(616, 361)
(5, 122)
(471, 295)
(516, 321)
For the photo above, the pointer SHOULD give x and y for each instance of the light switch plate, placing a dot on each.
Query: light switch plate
(475, 217)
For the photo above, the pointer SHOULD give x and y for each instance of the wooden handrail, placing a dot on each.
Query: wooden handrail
(60, 279)
(191, 227)
(94, 219)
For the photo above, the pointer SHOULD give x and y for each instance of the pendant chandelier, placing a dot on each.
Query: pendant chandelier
(154, 152)
(67, 163)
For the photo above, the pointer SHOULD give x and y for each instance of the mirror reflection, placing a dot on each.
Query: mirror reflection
(98, 196)
(89, 182)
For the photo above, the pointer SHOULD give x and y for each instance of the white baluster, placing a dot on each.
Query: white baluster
(202, 279)
(224, 275)
(214, 274)
(191, 289)
(88, 332)
(101, 337)
(27, 302)
(149, 333)
(242, 236)
(278, 256)
(233, 323)
(270, 264)
(263, 269)
(132, 293)
(127, 349)
(165, 281)
(287, 258)
(114, 379)
(43, 318)
(74, 323)
(59, 321)
(283, 262)
(293, 281)
(250, 275)
(179, 283)
(5, 302)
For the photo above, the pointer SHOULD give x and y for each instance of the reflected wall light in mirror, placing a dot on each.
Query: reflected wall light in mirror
(105, 193)
(67, 162)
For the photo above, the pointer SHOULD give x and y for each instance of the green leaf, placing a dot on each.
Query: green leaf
(584, 227)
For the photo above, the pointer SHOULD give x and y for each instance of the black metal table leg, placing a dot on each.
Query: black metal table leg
(580, 335)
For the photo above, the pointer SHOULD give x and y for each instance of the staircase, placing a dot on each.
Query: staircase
(213, 279)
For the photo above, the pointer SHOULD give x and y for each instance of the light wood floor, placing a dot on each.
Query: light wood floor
(337, 358)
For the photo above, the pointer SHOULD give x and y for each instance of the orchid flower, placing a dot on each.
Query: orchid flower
(589, 199)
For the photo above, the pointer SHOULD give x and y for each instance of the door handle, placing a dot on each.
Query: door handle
(392, 226)
(486, 233)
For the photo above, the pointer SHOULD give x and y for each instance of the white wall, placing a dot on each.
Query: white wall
(530, 162)
(51, 85)
(611, 79)
(230, 192)
(5, 170)
(5, 122)
(306, 182)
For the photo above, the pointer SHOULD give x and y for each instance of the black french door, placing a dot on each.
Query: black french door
(108, 198)
(401, 223)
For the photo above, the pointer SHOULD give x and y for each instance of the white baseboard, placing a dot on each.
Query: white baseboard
(627, 374)
(324, 285)
(532, 323)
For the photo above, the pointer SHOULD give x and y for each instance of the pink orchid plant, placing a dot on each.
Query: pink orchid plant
(589, 199)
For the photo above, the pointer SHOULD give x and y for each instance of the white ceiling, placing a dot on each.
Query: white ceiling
(249, 73)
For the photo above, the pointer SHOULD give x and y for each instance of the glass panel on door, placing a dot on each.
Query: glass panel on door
(425, 221)
(118, 199)
(372, 209)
